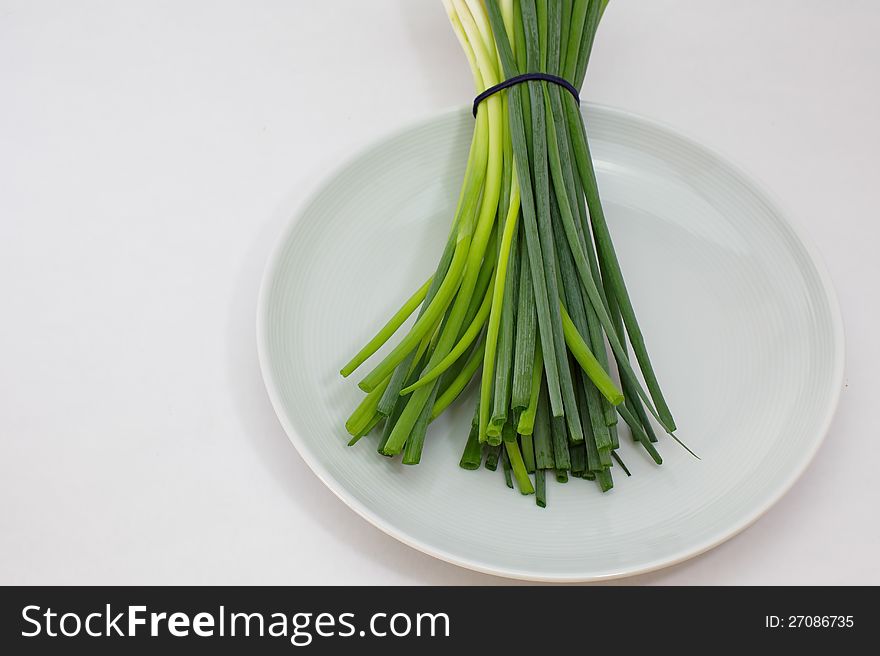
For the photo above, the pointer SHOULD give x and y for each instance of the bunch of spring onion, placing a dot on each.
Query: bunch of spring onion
(528, 295)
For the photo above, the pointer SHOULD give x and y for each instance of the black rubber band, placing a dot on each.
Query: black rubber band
(525, 77)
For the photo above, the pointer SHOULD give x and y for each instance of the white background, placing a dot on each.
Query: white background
(151, 153)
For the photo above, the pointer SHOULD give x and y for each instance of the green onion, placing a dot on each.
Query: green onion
(621, 463)
(492, 455)
(365, 411)
(459, 382)
(609, 263)
(606, 482)
(504, 355)
(590, 448)
(581, 319)
(632, 399)
(542, 436)
(367, 429)
(540, 173)
(473, 450)
(495, 316)
(466, 340)
(527, 446)
(560, 443)
(426, 322)
(527, 418)
(540, 488)
(518, 466)
(528, 292)
(589, 363)
(526, 334)
(388, 329)
(505, 461)
(416, 441)
(578, 455)
(518, 97)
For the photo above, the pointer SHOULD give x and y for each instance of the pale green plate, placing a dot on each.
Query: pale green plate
(740, 319)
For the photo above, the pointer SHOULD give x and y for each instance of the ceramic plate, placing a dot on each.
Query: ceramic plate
(739, 315)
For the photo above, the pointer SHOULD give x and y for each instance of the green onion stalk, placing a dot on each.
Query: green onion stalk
(528, 296)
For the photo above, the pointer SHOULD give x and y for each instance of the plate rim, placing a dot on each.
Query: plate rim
(330, 481)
